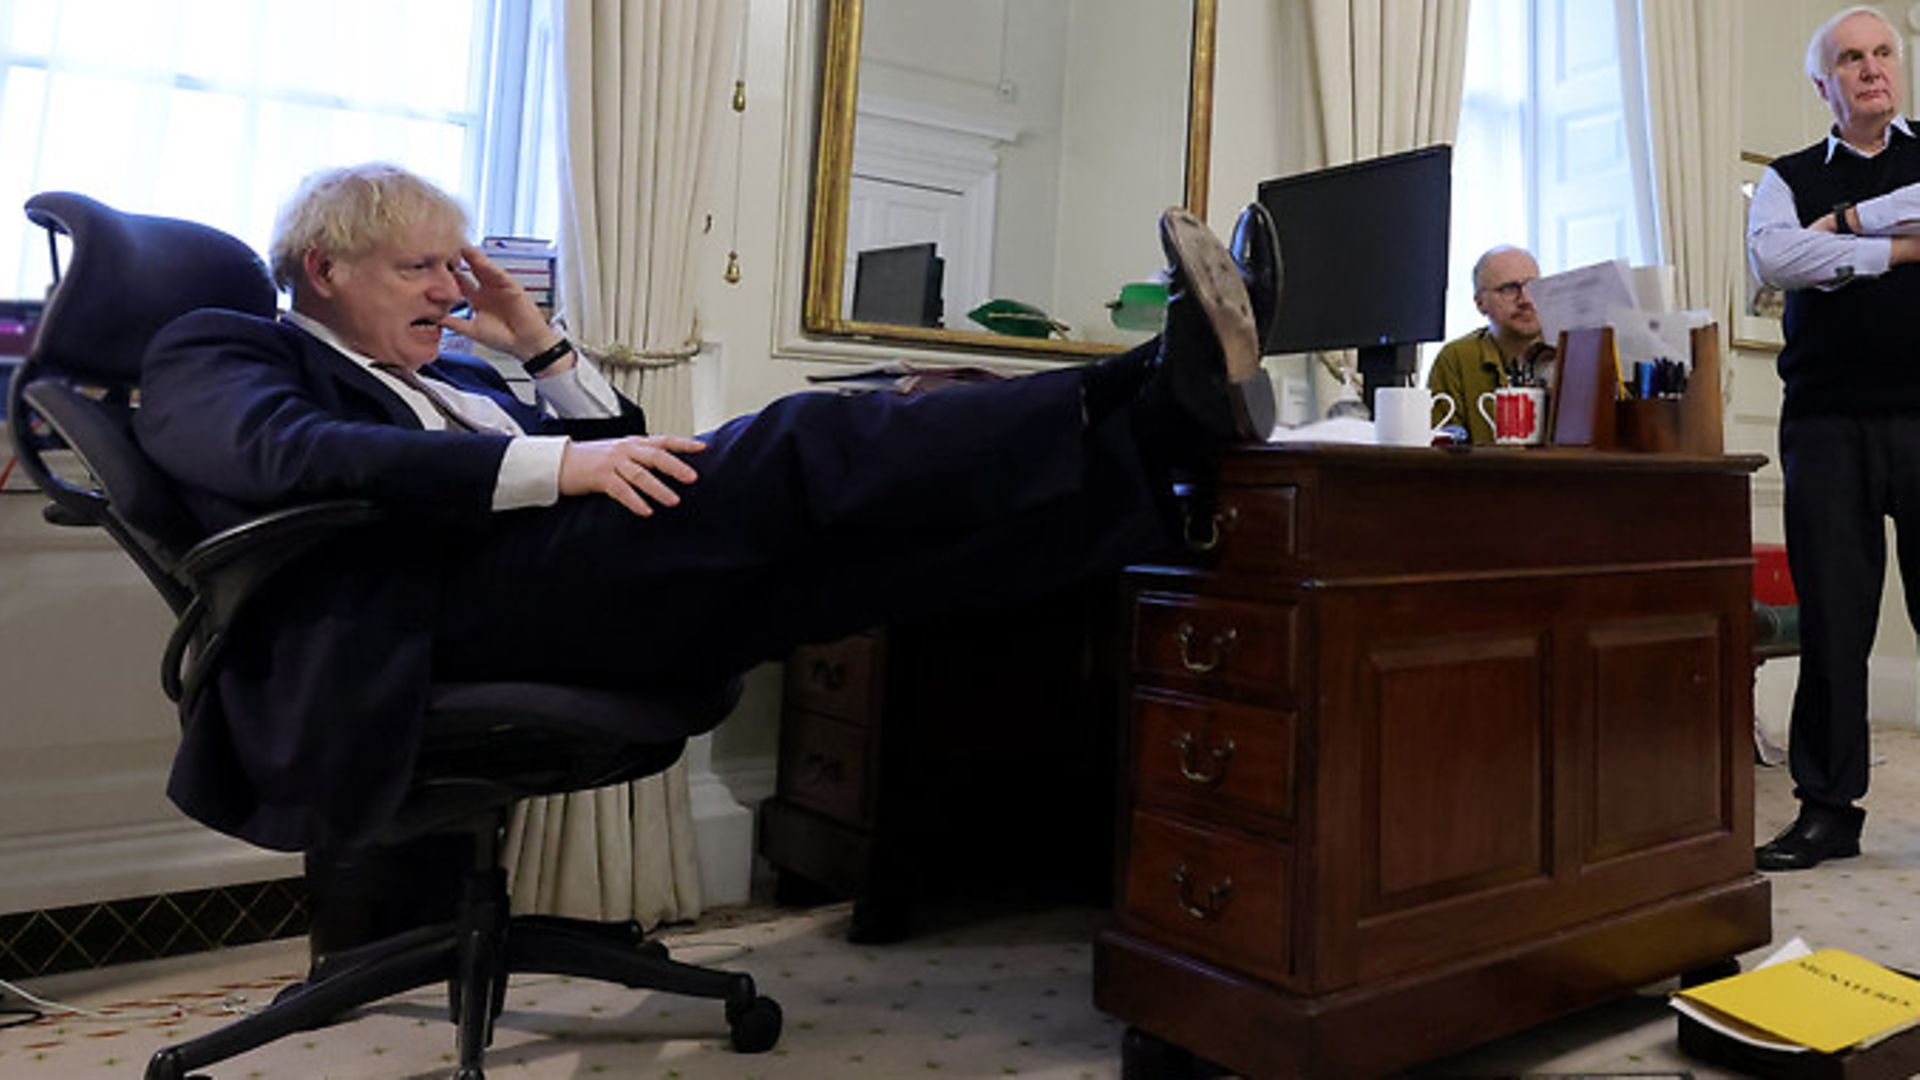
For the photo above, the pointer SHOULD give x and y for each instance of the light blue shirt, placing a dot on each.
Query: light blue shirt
(1788, 256)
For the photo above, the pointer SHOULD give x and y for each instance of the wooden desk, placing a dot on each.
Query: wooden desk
(1427, 747)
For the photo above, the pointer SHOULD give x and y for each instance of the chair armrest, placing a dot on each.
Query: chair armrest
(271, 540)
(228, 569)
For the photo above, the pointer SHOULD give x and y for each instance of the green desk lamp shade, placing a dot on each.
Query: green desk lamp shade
(1016, 319)
(1142, 305)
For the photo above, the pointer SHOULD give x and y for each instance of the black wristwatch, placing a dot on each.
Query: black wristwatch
(1840, 219)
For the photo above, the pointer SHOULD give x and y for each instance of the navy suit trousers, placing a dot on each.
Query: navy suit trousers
(1845, 475)
(821, 515)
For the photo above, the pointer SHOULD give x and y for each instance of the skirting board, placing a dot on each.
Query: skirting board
(723, 821)
(1893, 690)
(1893, 694)
(53, 870)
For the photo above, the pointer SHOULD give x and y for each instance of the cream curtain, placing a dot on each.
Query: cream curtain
(1388, 77)
(1388, 74)
(1696, 147)
(643, 92)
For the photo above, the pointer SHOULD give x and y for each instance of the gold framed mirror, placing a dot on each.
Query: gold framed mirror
(988, 175)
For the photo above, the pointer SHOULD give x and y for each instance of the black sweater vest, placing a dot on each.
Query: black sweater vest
(1855, 349)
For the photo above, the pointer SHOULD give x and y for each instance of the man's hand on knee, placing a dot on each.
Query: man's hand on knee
(630, 471)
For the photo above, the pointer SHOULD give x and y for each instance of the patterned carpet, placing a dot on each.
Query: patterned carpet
(983, 994)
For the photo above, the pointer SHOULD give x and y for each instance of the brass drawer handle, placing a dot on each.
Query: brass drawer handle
(1217, 648)
(828, 676)
(1217, 523)
(1216, 899)
(1219, 757)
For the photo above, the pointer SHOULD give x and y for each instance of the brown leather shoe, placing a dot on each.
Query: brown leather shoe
(1819, 833)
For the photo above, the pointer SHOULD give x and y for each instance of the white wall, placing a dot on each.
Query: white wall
(86, 735)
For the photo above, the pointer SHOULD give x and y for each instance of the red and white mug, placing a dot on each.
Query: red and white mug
(1517, 414)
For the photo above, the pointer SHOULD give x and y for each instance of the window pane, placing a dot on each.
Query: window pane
(1489, 157)
(215, 109)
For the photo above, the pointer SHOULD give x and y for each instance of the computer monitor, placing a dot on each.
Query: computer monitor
(899, 286)
(1364, 247)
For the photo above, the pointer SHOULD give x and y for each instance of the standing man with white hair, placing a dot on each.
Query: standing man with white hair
(1837, 225)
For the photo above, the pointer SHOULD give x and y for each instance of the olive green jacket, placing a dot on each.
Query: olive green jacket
(1467, 367)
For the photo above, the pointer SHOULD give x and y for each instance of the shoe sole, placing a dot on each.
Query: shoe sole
(1208, 269)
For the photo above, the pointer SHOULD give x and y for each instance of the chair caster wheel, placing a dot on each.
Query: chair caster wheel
(755, 1026)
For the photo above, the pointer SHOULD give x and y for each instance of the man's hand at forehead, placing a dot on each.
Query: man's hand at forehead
(502, 315)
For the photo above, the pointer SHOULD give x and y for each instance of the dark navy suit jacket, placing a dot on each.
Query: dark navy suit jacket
(307, 738)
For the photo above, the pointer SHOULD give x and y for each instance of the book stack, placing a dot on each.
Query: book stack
(528, 261)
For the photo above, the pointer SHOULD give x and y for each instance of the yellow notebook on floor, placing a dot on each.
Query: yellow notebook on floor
(1827, 1000)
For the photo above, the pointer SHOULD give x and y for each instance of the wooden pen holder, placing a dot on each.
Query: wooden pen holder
(1589, 411)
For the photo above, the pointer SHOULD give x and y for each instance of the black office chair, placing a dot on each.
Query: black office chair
(425, 901)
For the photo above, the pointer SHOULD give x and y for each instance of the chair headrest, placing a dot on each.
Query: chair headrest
(128, 276)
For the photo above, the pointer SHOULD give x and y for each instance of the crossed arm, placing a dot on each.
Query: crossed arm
(1789, 255)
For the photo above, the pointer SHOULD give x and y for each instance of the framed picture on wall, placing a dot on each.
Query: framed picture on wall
(1757, 309)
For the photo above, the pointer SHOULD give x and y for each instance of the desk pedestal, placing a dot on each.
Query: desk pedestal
(1426, 748)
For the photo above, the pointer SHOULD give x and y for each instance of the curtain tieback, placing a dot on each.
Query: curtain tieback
(620, 354)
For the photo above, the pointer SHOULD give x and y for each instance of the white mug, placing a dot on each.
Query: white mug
(1403, 415)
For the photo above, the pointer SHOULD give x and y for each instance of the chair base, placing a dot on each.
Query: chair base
(473, 954)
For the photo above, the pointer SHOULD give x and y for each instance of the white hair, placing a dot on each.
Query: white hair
(1820, 49)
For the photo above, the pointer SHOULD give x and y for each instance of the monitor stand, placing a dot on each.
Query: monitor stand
(1386, 365)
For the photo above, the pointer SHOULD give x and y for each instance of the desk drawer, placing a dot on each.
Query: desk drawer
(1221, 895)
(825, 764)
(837, 678)
(1218, 647)
(1242, 530)
(1210, 758)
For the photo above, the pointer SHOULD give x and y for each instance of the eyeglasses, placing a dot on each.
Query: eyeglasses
(1511, 290)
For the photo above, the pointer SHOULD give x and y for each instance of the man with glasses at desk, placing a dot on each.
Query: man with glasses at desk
(1504, 352)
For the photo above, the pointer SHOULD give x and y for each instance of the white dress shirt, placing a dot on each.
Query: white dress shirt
(1789, 256)
(530, 468)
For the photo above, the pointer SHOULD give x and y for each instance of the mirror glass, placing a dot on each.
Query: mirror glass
(989, 174)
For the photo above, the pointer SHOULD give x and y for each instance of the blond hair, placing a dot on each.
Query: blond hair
(348, 211)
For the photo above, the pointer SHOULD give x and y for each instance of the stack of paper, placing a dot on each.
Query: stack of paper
(1636, 302)
(1799, 1000)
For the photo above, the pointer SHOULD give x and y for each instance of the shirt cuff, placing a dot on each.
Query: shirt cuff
(530, 472)
(1873, 256)
(580, 393)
